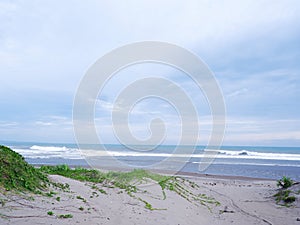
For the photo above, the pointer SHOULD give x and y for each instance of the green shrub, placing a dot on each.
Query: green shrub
(290, 199)
(283, 197)
(285, 182)
(16, 173)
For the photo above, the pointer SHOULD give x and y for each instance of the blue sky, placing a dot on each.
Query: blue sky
(252, 47)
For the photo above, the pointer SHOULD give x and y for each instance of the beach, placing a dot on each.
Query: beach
(227, 200)
(244, 161)
(150, 112)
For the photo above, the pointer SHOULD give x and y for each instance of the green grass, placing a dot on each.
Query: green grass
(50, 193)
(122, 180)
(102, 191)
(148, 205)
(285, 182)
(65, 216)
(283, 196)
(79, 173)
(81, 198)
(290, 199)
(17, 174)
(129, 181)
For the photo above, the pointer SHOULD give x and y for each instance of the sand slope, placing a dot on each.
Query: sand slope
(241, 202)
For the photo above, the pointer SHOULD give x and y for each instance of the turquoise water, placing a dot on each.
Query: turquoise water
(251, 161)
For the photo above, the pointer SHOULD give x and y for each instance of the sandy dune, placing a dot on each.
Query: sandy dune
(241, 202)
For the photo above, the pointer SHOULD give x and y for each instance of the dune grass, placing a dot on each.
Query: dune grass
(284, 196)
(129, 182)
(17, 174)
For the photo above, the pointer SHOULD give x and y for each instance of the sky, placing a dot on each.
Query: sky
(252, 48)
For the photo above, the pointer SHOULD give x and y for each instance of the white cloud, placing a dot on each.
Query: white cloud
(4, 124)
(41, 123)
(237, 92)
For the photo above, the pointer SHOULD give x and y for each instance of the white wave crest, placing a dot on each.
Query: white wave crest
(222, 154)
(48, 148)
(37, 151)
(257, 155)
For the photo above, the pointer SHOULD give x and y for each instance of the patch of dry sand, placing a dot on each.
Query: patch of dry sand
(241, 202)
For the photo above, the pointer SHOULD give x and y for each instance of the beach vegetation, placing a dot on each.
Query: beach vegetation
(102, 191)
(284, 195)
(95, 187)
(64, 187)
(81, 198)
(290, 199)
(129, 182)
(284, 198)
(17, 174)
(148, 205)
(50, 193)
(65, 216)
(285, 182)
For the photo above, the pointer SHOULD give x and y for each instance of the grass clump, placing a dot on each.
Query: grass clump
(285, 182)
(129, 180)
(283, 196)
(65, 216)
(148, 205)
(78, 173)
(50, 193)
(81, 198)
(50, 213)
(17, 174)
(102, 191)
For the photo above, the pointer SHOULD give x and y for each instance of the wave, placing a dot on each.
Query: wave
(252, 164)
(48, 148)
(219, 154)
(36, 151)
(257, 155)
(44, 152)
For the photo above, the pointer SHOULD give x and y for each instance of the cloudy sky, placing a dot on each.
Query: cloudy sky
(252, 47)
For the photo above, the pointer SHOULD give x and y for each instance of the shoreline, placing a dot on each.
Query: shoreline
(169, 172)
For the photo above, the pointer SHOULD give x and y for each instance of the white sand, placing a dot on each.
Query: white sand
(244, 202)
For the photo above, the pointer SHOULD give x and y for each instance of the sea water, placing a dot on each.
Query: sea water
(249, 161)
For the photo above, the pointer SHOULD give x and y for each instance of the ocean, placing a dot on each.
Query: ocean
(248, 161)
